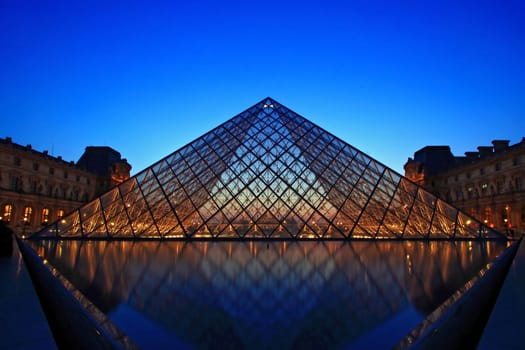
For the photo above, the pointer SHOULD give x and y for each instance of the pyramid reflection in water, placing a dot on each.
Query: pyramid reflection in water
(267, 173)
(269, 295)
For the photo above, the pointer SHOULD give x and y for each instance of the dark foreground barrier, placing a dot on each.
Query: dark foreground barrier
(459, 322)
(72, 326)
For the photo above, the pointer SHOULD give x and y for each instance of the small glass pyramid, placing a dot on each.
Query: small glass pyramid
(268, 173)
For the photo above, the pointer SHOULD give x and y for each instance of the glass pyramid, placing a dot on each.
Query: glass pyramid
(268, 173)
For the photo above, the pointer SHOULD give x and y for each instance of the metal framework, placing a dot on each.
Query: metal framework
(268, 173)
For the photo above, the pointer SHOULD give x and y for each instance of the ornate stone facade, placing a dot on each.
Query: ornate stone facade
(488, 184)
(37, 188)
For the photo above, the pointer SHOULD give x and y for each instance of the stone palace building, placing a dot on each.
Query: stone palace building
(487, 184)
(37, 188)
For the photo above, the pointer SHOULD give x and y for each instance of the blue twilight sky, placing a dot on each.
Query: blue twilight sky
(147, 77)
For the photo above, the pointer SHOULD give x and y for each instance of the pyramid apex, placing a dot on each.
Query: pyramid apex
(268, 102)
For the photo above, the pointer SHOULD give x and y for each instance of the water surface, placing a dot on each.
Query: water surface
(275, 295)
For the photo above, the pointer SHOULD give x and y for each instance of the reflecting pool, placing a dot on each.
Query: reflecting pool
(261, 295)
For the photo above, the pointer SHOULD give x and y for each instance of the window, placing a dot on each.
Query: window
(7, 214)
(78, 178)
(516, 161)
(16, 161)
(45, 216)
(468, 175)
(36, 166)
(505, 217)
(34, 186)
(51, 171)
(484, 188)
(501, 186)
(487, 217)
(519, 184)
(65, 174)
(60, 213)
(481, 171)
(27, 215)
(497, 166)
(16, 184)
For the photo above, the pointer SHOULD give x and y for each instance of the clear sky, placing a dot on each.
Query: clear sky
(147, 77)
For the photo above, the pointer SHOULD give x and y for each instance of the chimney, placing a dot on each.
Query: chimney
(484, 151)
(500, 145)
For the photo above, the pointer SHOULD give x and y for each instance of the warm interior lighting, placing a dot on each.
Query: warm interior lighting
(268, 173)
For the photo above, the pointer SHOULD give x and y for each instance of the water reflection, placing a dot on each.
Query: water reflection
(266, 295)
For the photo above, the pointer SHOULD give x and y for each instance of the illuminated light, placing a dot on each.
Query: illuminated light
(63, 221)
(485, 221)
(281, 185)
(505, 220)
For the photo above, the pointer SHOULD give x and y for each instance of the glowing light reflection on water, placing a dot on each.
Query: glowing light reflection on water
(267, 295)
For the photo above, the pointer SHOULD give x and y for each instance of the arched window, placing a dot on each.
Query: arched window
(7, 213)
(27, 215)
(60, 213)
(45, 216)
